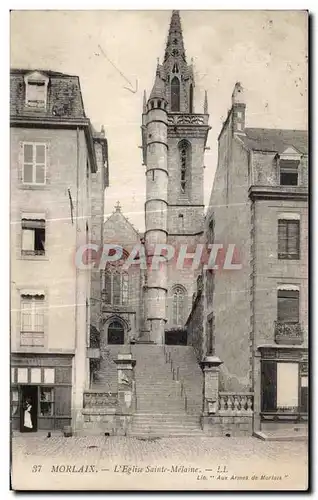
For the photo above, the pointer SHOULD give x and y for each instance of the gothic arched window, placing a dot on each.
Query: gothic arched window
(185, 158)
(175, 94)
(116, 286)
(178, 305)
(191, 99)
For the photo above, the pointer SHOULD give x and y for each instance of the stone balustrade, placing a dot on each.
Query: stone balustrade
(187, 119)
(235, 403)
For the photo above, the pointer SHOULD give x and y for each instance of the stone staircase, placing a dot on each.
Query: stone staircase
(189, 372)
(161, 404)
(106, 377)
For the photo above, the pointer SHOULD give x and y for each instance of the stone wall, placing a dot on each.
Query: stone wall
(195, 326)
(230, 426)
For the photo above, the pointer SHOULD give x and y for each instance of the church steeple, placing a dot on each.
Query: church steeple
(174, 78)
(175, 46)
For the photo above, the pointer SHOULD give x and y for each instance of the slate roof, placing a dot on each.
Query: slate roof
(64, 99)
(275, 140)
(158, 89)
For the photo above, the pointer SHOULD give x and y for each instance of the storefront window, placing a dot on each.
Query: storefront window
(15, 403)
(284, 387)
(46, 401)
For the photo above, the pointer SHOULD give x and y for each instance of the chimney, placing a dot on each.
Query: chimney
(238, 109)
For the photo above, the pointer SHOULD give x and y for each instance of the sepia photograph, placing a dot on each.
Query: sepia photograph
(159, 250)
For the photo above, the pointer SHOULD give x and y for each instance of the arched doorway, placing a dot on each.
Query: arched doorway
(115, 333)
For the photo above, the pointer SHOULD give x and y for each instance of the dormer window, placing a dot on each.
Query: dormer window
(289, 173)
(36, 90)
(288, 167)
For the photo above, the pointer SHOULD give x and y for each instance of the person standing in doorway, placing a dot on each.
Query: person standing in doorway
(27, 415)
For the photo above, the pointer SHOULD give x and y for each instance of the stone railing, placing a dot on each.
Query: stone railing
(288, 333)
(232, 403)
(187, 119)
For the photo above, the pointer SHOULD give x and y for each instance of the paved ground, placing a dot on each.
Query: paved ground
(177, 463)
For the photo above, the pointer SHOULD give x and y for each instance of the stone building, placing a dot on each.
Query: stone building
(254, 318)
(58, 172)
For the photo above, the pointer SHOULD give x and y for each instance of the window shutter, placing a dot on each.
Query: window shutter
(293, 237)
(282, 237)
(26, 315)
(27, 239)
(288, 306)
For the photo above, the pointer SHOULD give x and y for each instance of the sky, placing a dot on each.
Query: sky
(265, 50)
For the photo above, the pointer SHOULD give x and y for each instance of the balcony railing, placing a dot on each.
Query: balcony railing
(32, 339)
(288, 333)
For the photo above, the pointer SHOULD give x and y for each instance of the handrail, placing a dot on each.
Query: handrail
(176, 371)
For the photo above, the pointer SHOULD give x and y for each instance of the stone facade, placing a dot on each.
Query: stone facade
(51, 218)
(247, 201)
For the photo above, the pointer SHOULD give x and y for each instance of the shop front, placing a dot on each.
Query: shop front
(41, 392)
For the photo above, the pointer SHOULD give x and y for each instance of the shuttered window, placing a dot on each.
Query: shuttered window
(288, 239)
(288, 306)
(32, 320)
(34, 163)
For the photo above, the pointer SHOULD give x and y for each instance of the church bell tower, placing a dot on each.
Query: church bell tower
(173, 142)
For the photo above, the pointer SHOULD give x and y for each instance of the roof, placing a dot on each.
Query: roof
(158, 89)
(64, 96)
(275, 140)
(48, 72)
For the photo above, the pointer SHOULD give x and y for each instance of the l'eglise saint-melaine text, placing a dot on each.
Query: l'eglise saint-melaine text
(135, 469)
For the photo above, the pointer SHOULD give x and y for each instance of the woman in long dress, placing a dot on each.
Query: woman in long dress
(27, 416)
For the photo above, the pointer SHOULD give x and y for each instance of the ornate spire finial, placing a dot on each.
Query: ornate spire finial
(175, 47)
(102, 131)
(205, 105)
(118, 207)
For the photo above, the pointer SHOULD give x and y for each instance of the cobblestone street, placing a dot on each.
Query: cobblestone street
(97, 462)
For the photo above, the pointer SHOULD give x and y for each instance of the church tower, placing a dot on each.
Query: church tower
(174, 139)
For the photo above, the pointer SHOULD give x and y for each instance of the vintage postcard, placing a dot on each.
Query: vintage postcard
(159, 246)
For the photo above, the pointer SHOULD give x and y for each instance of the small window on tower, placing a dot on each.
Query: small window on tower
(191, 99)
(175, 94)
(184, 152)
(159, 104)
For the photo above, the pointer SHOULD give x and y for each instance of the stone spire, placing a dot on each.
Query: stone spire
(118, 207)
(175, 46)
